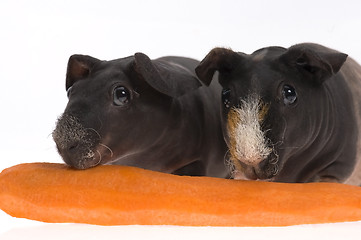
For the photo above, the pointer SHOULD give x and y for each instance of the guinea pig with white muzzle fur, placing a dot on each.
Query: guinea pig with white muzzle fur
(289, 114)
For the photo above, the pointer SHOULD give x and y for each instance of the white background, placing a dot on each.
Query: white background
(37, 37)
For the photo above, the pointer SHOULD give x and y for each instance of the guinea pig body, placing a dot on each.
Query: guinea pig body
(152, 114)
(290, 115)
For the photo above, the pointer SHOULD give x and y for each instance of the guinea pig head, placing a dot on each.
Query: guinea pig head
(266, 99)
(116, 109)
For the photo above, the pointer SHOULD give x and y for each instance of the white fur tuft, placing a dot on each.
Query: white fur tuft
(248, 142)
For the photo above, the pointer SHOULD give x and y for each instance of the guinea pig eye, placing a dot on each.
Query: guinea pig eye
(226, 94)
(121, 96)
(289, 95)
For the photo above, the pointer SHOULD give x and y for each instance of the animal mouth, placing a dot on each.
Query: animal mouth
(265, 171)
(251, 154)
(248, 173)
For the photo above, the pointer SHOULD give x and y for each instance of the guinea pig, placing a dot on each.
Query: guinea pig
(289, 114)
(152, 114)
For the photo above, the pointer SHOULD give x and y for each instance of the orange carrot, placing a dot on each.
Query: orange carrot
(118, 195)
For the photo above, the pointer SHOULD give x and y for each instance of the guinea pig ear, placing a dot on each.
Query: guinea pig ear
(79, 67)
(167, 79)
(321, 64)
(218, 59)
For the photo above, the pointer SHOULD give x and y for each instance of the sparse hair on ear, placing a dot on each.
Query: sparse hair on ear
(163, 77)
(79, 67)
(218, 59)
(315, 60)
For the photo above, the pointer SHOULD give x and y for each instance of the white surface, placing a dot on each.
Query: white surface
(344, 231)
(37, 38)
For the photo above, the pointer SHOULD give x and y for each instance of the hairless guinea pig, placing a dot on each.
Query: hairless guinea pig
(290, 115)
(152, 114)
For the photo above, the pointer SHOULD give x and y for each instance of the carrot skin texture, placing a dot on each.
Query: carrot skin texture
(119, 195)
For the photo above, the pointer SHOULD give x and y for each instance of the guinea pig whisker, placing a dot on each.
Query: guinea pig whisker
(131, 154)
(100, 158)
(275, 169)
(226, 158)
(285, 129)
(229, 163)
(290, 148)
(96, 132)
(277, 144)
(110, 150)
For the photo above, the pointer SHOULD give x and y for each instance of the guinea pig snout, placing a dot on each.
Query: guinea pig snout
(75, 143)
(249, 148)
(265, 170)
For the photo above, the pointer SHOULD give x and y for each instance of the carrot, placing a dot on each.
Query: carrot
(119, 195)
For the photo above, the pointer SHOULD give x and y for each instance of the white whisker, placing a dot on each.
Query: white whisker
(110, 150)
(96, 132)
(100, 158)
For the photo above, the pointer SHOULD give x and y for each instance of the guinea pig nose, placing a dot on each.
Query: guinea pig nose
(73, 146)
